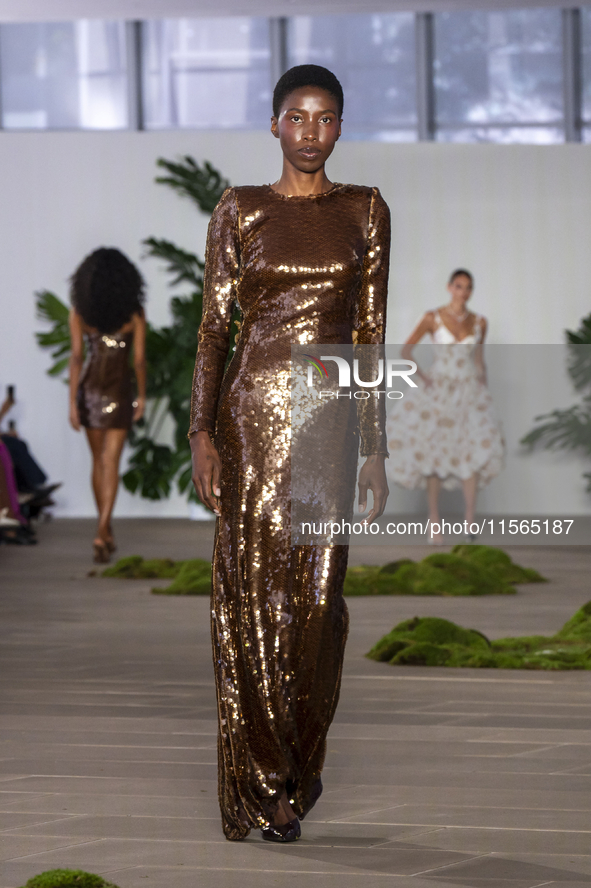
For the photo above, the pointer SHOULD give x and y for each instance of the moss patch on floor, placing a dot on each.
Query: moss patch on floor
(432, 641)
(67, 879)
(191, 577)
(466, 570)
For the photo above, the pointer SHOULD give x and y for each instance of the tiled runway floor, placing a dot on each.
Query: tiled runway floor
(434, 777)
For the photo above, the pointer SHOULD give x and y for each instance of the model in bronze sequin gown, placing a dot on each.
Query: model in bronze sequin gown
(307, 269)
(307, 263)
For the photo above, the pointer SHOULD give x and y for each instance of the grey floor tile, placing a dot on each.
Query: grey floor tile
(512, 796)
(26, 845)
(13, 800)
(118, 804)
(188, 755)
(112, 786)
(482, 869)
(101, 768)
(504, 841)
(389, 859)
(500, 818)
(180, 877)
(578, 865)
(204, 825)
(208, 854)
(20, 820)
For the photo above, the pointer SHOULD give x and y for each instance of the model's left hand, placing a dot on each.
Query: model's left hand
(139, 407)
(373, 477)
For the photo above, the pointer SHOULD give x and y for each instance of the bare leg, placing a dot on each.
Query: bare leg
(96, 440)
(470, 486)
(111, 455)
(433, 489)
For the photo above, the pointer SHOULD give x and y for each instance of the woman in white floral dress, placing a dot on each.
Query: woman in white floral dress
(445, 433)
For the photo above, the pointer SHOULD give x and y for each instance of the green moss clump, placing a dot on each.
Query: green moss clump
(579, 625)
(364, 580)
(431, 641)
(441, 573)
(68, 879)
(393, 566)
(193, 578)
(468, 570)
(426, 640)
(499, 563)
(134, 567)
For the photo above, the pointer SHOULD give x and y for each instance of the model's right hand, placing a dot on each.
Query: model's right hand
(74, 418)
(207, 468)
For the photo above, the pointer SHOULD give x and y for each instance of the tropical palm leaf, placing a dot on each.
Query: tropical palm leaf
(569, 429)
(579, 359)
(563, 429)
(53, 311)
(202, 184)
(183, 266)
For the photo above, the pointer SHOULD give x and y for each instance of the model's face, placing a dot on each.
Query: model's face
(307, 127)
(460, 289)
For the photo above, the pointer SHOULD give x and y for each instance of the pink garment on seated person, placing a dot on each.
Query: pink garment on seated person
(7, 470)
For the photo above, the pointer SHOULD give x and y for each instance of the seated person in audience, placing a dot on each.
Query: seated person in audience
(30, 477)
(14, 527)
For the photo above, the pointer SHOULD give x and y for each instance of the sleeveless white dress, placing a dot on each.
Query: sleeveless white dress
(448, 428)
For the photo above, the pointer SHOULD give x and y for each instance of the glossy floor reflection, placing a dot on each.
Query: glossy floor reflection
(434, 777)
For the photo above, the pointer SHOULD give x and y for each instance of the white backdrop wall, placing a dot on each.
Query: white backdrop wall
(517, 216)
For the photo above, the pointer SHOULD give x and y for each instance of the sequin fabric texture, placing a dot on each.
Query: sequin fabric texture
(303, 270)
(105, 392)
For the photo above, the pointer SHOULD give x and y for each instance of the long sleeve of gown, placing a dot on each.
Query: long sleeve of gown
(222, 267)
(371, 322)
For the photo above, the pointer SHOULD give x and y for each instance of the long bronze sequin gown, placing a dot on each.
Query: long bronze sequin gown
(105, 391)
(302, 270)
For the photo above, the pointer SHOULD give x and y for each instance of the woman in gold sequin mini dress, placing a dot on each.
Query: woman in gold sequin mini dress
(306, 260)
(107, 313)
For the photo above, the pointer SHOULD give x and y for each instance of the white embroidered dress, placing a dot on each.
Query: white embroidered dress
(448, 428)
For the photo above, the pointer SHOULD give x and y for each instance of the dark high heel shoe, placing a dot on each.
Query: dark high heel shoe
(287, 832)
(100, 552)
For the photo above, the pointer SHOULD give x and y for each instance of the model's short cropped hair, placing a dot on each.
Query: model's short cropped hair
(307, 75)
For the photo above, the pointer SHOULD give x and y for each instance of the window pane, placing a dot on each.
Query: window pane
(207, 73)
(373, 57)
(501, 66)
(586, 61)
(508, 135)
(66, 75)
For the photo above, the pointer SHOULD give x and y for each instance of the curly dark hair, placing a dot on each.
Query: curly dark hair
(307, 75)
(107, 289)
